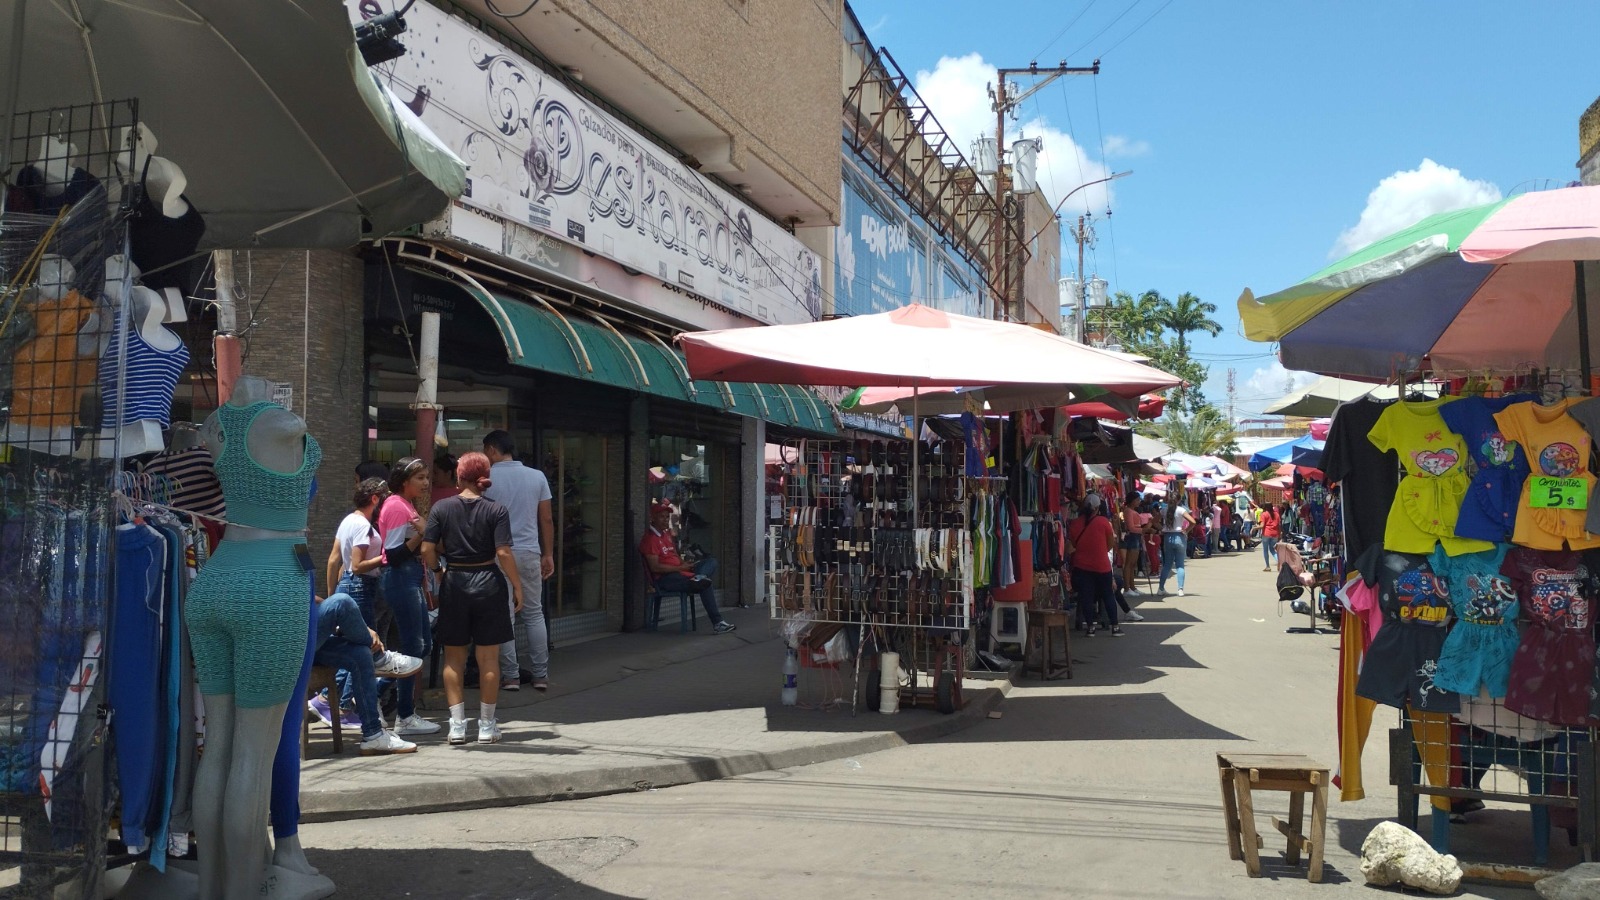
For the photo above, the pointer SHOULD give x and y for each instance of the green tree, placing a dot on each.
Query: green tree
(1205, 432)
(1137, 320)
(1187, 315)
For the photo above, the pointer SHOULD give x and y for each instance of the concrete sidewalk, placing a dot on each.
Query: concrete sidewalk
(625, 713)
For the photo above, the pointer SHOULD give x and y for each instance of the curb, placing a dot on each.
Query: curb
(486, 792)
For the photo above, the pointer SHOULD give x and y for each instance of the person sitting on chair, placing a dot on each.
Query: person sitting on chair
(668, 571)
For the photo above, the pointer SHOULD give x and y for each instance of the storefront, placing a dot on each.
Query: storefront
(598, 402)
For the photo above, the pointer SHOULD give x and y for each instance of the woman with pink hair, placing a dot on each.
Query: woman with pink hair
(472, 535)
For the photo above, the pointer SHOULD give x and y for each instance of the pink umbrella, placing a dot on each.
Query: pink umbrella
(914, 346)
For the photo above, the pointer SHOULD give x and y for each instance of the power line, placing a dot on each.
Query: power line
(1135, 30)
(1106, 29)
(1065, 29)
(1116, 277)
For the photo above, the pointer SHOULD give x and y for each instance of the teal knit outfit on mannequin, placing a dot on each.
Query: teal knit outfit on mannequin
(247, 610)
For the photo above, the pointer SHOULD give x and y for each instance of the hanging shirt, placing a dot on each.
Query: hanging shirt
(1368, 478)
(1399, 667)
(1558, 447)
(1429, 499)
(1586, 411)
(1489, 512)
(1479, 649)
(1554, 666)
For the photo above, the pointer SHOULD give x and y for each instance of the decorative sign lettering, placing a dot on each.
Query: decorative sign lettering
(1547, 492)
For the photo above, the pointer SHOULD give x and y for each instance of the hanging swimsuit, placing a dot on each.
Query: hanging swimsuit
(247, 611)
(1479, 649)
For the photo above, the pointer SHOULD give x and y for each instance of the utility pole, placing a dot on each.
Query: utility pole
(1231, 393)
(1005, 103)
(1084, 235)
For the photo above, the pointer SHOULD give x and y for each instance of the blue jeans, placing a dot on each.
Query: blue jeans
(700, 584)
(343, 643)
(1269, 550)
(1174, 552)
(402, 590)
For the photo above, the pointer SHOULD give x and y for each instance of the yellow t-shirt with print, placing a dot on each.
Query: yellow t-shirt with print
(1557, 446)
(1429, 500)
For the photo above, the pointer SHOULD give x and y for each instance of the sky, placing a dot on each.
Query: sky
(1266, 138)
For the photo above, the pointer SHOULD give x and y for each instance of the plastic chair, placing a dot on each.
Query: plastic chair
(688, 619)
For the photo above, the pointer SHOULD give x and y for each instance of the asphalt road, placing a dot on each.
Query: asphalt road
(1101, 786)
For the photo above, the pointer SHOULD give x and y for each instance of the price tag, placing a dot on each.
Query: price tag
(1558, 493)
(989, 461)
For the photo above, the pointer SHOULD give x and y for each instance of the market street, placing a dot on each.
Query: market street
(1104, 785)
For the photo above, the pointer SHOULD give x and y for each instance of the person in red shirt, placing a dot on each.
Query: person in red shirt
(1271, 530)
(1090, 537)
(669, 573)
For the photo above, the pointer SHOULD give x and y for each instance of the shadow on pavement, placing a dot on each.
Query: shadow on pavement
(1102, 717)
(502, 872)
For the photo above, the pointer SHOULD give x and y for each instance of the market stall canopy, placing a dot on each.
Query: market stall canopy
(1325, 394)
(914, 346)
(1150, 407)
(1489, 288)
(284, 136)
(1205, 465)
(1002, 398)
(1285, 453)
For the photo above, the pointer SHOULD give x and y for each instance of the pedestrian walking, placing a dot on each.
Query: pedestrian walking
(471, 536)
(1271, 530)
(1175, 524)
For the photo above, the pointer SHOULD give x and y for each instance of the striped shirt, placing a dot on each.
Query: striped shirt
(151, 377)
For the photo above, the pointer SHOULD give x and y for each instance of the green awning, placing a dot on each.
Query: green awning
(561, 341)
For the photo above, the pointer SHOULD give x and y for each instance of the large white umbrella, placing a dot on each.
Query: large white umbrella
(284, 136)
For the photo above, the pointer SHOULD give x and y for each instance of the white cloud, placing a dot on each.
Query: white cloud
(1118, 147)
(957, 92)
(1407, 197)
(1272, 382)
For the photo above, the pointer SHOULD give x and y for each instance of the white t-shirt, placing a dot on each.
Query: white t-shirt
(1179, 524)
(355, 531)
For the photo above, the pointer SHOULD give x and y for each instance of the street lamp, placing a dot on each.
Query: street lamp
(1057, 211)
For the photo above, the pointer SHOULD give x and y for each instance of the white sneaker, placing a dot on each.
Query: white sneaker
(1180, 592)
(1132, 592)
(510, 685)
(415, 724)
(458, 731)
(395, 665)
(1133, 616)
(488, 731)
(386, 743)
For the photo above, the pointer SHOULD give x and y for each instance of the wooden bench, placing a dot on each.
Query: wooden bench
(322, 677)
(1243, 773)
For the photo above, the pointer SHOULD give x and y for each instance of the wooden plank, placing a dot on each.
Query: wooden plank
(1284, 784)
(1296, 812)
(1319, 824)
(1280, 761)
(1297, 841)
(1247, 824)
(1230, 810)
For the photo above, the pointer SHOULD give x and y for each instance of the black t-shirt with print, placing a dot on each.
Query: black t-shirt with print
(1368, 477)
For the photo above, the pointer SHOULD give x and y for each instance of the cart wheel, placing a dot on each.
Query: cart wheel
(873, 691)
(944, 693)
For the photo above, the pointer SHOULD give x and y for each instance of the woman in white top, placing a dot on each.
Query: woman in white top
(1175, 523)
(355, 557)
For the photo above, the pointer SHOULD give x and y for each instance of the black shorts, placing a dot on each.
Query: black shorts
(1398, 669)
(474, 608)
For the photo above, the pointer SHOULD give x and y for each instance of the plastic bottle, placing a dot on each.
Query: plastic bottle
(791, 672)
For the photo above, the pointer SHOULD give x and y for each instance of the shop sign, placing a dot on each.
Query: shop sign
(871, 424)
(539, 155)
(883, 259)
(1547, 492)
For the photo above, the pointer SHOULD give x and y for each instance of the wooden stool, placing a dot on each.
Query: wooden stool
(1243, 773)
(1042, 623)
(322, 677)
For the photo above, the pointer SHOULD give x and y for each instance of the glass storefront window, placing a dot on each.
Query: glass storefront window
(575, 464)
(681, 474)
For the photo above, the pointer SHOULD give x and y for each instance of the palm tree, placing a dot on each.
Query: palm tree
(1138, 319)
(1187, 315)
(1206, 433)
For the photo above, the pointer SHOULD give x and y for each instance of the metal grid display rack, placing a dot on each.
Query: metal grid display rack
(875, 541)
(68, 197)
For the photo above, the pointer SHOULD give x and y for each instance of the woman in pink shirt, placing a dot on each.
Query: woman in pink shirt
(400, 531)
(1132, 544)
